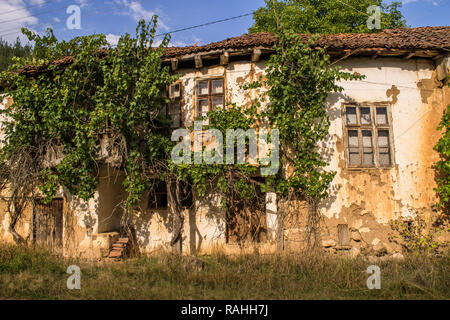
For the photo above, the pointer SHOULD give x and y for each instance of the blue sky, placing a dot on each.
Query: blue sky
(115, 17)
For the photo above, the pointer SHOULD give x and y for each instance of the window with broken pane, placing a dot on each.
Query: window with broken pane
(203, 109)
(368, 136)
(353, 145)
(175, 90)
(365, 115)
(383, 148)
(173, 108)
(210, 96)
(217, 102)
(382, 115)
(175, 113)
(367, 148)
(351, 116)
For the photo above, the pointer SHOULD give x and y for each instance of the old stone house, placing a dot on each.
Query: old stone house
(381, 139)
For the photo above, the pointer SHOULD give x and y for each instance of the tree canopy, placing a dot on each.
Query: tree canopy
(325, 16)
(8, 51)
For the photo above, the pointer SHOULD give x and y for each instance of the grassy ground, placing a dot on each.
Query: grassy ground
(35, 274)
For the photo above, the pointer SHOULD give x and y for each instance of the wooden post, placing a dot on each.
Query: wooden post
(280, 235)
(224, 58)
(198, 62)
(173, 188)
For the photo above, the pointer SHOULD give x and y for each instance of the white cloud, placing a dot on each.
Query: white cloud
(11, 22)
(113, 39)
(185, 42)
(135, 10)
(178, 43)
(82, 3)
(36, 2)
(433, 2)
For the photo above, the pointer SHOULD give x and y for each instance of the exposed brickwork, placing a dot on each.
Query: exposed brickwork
(119, 249)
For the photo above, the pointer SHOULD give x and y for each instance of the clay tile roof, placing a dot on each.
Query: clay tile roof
(423, 38)
(426, 38)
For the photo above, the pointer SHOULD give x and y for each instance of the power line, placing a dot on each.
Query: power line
(57, 23)
(98, 12)
(346, 4)
(204, 24)
(89, 15)
(24, 8)
(39, 14)
(174, 31)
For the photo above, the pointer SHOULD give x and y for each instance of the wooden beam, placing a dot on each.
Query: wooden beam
(174, 63)
(256, 55)
(198, 61)
(410, 55)
(224, 58)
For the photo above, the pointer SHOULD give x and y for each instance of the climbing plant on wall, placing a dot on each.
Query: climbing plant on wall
(85, 92)
(96, 93)
(443, 166)
(300, 77)
(236, 184)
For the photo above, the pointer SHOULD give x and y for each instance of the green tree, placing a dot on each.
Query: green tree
(325, 16)
(8, 51)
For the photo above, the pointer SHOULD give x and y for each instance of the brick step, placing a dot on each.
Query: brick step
(118, 249)
(115, 254)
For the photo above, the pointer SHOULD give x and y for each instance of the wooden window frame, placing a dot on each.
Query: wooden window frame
(210, 94)
(175, 100)
(374, 127)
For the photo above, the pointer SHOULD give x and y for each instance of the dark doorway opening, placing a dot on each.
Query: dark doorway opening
(246, 218)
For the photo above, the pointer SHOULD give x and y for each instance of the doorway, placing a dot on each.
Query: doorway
(48, 224)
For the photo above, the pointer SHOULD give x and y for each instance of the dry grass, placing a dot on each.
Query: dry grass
(35, 274)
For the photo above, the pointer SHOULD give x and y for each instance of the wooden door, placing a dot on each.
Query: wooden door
(48, 224)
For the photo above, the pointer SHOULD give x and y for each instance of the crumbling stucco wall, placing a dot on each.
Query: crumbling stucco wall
(368, 199)
(365, 200)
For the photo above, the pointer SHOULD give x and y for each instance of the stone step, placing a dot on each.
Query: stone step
(122, 240)
(119, 245)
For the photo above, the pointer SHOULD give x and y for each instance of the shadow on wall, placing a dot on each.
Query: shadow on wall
(329, 147)
(83, 212)
(111, 196)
